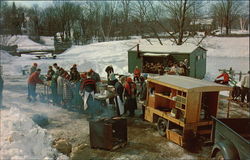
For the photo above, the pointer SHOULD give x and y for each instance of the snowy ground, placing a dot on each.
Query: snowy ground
(144, 140)
(25, 44)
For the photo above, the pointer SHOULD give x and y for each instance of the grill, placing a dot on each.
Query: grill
(108, 134)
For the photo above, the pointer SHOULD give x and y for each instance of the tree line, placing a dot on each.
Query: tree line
(80, 21)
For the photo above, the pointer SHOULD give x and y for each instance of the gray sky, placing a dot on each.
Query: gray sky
(31, 3)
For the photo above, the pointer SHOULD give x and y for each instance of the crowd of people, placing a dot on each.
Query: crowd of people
(74, 90)
(242, 91)
(172, 68)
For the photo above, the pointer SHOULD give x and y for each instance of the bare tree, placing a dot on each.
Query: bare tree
(126, 9)
(226, 12)
(244, 16)
(179, 12)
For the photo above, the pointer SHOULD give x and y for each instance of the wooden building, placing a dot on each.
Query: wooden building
(196, 56)
(182, 106)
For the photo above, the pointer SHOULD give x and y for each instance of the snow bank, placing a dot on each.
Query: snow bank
(25, 44)
(5, 57)
(48, 41)
(227, 47)
(21, 138)
(97, 56)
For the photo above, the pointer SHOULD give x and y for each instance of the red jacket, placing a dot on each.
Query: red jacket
(137, 72)
(130, 88)
(225, 77)
(34, 79)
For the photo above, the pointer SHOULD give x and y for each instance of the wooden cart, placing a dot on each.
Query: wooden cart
(182, 106)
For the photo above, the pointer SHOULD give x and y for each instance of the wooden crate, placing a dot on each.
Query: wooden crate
(174, 137)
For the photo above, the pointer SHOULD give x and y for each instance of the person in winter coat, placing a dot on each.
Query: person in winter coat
(60, 83)
(1, 89)
(67, 93)
(95, 75)
(109, 69)
(89, 87)
(112, 82)
(50, 73)
(130, 96)
(245, 88)
(119, 89)
(33, 68)
(225, 79)
(113, 79)
(137, 74)
(142, 89)
(74, 74)
(32, 81)
(53, 86)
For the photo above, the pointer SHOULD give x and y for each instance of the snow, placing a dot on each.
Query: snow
(185, 48)
(227, 47)
(48, 41)
(21, 138)
(25, 44)
(5, 57)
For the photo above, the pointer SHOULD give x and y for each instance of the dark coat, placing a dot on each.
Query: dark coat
(119, 89)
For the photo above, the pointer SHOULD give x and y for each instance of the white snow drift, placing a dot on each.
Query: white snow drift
(21, 138)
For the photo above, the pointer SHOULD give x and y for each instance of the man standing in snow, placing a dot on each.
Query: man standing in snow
(119, 89)
(137, 74)
(1, 88)
(60, 82)
(53, 84)
(109, 69)
(32, 81)
(130, 97)
(50, 73)
(89, 87)
(33, 68)
(245, 88)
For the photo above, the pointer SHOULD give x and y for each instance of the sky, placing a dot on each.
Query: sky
(31, 3)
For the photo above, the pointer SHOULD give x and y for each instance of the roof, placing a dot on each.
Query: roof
(183, 49)
(155, 55)
(189, 84)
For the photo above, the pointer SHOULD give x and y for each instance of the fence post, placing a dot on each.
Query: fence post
(240, 76)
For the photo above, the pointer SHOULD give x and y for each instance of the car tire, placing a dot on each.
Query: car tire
(162, 126)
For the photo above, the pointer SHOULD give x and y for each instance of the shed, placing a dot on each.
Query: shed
(196, 56)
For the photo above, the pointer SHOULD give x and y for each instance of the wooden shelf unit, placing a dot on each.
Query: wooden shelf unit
(181, 107)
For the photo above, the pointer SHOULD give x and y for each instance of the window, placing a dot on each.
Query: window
(198, 58)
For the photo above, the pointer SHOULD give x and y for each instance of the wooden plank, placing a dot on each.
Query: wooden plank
(148, 114)
(174, 137)
(202, 132)
(151, 101)
(167, 85)
(193, 107)
(165, 115)
(161, 95)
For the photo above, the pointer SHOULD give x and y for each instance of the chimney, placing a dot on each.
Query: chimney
(138, 51)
